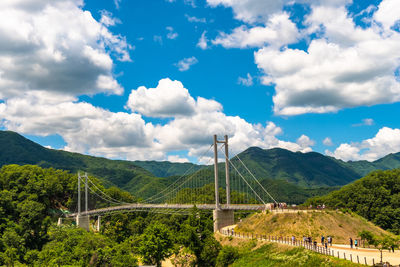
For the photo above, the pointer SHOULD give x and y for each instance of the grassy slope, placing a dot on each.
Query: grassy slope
(376, 197)
(259, 253)
(337, 224)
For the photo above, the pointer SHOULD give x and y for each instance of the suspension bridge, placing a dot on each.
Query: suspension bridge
(243, 192)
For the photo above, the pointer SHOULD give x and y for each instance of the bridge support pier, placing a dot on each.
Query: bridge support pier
(59, 222)
(98, 224)
(83, 222)
(222, 218)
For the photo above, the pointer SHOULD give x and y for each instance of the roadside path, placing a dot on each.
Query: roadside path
(367, 255)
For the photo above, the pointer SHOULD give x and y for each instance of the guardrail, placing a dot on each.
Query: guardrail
(300, 243)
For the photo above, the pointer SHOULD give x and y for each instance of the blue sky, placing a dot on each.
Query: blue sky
(156, 79)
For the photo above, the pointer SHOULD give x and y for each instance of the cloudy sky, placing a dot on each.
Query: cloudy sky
(140, 79)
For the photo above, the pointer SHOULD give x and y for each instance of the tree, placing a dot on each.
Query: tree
(156, 244)
(197, 236)
(227, 255)
(380, 242)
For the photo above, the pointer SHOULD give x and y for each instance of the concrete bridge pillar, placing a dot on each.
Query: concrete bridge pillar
(59, 222)
(83, 221)
(98, 224)
(222, 218)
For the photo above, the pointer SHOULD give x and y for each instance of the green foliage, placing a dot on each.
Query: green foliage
(15, 149)
(227, 256)
(303, 169)
(166, 168)
(380, 242)
(376, 197)
(75, 246)
(31, 199)
(197, 235)
(271, 255)
(156, 244)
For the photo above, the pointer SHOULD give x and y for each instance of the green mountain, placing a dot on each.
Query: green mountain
(16, 149)
(293, 177)
(304, 169)
(363, 167)
(166, 168)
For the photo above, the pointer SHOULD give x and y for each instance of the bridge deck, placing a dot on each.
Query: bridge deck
(172, 206)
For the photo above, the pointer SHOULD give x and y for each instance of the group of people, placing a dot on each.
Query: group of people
(324, 241)
(355, 243)
(280, 206)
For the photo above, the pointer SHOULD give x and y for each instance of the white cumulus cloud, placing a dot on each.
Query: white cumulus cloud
(332, 76)
(55, 46)
(278, 31)
(168, 99)
(386, 141)
(251, 10)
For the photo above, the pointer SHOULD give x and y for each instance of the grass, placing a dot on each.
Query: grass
(341, 226)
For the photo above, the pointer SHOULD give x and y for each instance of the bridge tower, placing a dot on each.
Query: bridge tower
(82, 220)
(222, 217)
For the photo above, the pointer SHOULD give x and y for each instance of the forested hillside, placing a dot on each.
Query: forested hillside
(15, 149)
(166, 168)
(31, 200)
(376, 197)
(292, 177)
(303, 169)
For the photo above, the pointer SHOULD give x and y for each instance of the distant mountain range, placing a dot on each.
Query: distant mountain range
(284, 172)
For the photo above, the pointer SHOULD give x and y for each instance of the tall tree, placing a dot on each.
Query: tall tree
(156, 244)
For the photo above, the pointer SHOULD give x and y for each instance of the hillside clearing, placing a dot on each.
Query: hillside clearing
(341, 226)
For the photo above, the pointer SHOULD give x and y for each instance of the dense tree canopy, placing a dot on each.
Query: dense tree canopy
(376, 197)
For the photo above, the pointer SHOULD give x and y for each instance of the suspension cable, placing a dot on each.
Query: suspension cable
(175, 190)
(111, 199)
(226, 157)
(237, 156)
(162, 191)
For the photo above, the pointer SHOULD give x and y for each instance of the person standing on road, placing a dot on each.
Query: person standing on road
(322, 240)
(356, 243)
(351, 242)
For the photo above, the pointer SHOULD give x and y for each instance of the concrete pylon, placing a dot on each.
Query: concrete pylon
(98, 224)
(83, 221)
(222, 218)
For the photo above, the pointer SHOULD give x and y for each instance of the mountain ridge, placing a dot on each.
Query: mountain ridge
(273, 167)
